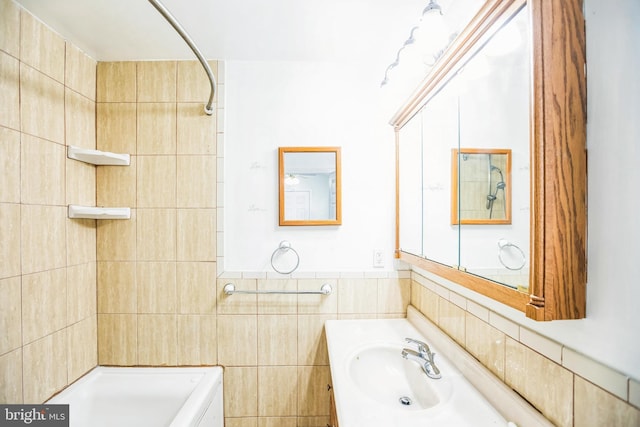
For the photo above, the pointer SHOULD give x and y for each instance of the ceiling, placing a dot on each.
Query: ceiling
(295, 30)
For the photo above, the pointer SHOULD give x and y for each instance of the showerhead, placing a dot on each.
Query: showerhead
(495, 168)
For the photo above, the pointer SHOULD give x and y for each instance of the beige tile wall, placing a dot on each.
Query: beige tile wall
(570, 389)
(156, 271)
(47, 261)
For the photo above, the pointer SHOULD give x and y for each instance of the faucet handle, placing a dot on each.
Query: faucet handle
(423, 348)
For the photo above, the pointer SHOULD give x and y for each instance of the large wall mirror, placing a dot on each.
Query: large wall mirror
(309, 180)
(492, 163)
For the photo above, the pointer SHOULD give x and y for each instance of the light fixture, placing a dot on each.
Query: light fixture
(425, 43)
(291, 179)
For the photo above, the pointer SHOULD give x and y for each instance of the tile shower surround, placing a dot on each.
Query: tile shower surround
(47, 262)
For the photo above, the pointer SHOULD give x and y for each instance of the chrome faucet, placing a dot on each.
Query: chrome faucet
(424, 357)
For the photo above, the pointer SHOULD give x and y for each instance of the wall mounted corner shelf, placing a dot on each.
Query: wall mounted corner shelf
(97, 157)
(88, 212)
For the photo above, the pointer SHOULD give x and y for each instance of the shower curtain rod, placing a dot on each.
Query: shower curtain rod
(212, 80)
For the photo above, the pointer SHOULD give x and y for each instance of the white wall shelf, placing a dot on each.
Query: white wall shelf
(89, 212)
(97, 157)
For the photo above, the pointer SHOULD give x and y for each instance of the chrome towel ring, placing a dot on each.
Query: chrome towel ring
(283, 248)
(503, 244)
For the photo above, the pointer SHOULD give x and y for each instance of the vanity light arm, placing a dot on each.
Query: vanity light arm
(208, 109)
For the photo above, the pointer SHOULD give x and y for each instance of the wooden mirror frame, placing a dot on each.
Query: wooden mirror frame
(281, 184)
(455, 186)
(558, 267)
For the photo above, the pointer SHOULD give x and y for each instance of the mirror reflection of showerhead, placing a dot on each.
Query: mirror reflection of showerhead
(495, 168)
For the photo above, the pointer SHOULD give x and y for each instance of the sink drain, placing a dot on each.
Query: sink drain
(406, 401)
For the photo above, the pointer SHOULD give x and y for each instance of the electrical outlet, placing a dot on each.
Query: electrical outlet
(378, 258)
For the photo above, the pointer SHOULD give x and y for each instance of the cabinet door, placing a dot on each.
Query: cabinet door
(333, 416)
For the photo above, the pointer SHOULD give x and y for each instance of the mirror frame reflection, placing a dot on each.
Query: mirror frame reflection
(334, 188)
(557, 281)
(494, 187)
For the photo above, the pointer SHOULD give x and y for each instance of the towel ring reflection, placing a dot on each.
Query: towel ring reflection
(504, 243)
(285, 247)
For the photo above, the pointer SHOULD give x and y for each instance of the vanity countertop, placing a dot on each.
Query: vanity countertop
(372, 387)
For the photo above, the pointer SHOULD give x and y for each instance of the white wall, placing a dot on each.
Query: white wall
(272, 104)
(613, 143)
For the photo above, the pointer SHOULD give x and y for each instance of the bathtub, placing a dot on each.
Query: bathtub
(141, 397)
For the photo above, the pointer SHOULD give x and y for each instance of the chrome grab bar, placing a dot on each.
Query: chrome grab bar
(230, 289)
(212, 80)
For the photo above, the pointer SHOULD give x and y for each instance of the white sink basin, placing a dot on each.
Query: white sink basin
(381, 373)
(370, 378)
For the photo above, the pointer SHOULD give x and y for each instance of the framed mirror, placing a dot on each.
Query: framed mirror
(309, 182)
(480, 186)
(544, 245)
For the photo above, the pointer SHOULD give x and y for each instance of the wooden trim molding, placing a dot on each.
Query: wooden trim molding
(558, 243)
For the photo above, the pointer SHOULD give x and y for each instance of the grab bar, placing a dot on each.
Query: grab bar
(212, 80)
(325, 289)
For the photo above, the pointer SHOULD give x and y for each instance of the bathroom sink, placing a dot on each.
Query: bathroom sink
(374, 386)
(381, 373)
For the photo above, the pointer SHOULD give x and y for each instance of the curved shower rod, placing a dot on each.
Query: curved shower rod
(176, 25)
